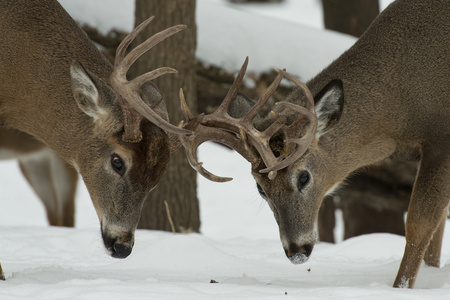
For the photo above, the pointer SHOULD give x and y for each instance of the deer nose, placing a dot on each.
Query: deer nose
(298, 254)
(118, 247)
(121, 250)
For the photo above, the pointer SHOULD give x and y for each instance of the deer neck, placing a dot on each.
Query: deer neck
(367, 130)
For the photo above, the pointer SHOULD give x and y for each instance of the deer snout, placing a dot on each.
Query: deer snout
(118, 246)
(121, 250)
(298, 254)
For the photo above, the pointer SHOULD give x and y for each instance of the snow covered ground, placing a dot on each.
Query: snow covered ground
(239, 247)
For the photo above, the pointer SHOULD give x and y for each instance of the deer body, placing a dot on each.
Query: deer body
(57, 92)
(388, 95)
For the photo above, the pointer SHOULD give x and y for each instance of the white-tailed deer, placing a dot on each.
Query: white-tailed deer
(388, 95)
(58, 91)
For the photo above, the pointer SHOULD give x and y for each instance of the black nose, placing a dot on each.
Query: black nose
(118, 247)
(298, 254)
(121, 250)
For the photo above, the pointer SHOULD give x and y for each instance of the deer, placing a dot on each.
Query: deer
(386, 96)
(62, 99)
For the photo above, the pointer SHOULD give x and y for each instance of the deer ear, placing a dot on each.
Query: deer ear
(240, 106)
(329, 103)
(150, 94)
(84, 90)
(96, 99)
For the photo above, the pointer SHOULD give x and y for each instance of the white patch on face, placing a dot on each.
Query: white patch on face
(113, 229)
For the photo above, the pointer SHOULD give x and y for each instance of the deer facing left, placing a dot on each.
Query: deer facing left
(57, 88)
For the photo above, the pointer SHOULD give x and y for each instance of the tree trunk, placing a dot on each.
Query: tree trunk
(175, 197)
(349, 16)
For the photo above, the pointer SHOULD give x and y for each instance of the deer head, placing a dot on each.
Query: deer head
(129, 148)
(58, 89)
(273, 145)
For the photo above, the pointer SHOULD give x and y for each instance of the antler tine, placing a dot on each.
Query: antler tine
(302, 86)
(263, 99)
(310, 114)
(261, 140)
(128, 91)
(142, 108)
(239, 133)
(202, 133)
(302, 146)
(234, 89)
(305, 141)
(147, 45)
(152, 75)
(191, 145)
(122, 48)
(274, 127)
(185, 108)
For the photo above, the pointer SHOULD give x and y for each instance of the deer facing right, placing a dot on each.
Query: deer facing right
(387, 96)
(65, 100)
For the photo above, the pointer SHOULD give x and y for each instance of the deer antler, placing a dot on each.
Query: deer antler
(291, 132)
(134, 109)
(240, 134)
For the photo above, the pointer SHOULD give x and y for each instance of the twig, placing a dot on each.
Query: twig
(168, 216)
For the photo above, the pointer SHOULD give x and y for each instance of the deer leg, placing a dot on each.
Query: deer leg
(433, 254)
(326, 221)
(2, 276)
(36, 170)
(64, 179)
(428, 207)
(54, 181)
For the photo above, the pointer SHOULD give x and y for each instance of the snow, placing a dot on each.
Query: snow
(239, 247)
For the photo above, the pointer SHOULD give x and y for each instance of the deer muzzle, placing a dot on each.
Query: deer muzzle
(119, 244)
(298, 254)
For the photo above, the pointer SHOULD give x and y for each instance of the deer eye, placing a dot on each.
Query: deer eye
(260, 190)
(303, 180)
(117, 164)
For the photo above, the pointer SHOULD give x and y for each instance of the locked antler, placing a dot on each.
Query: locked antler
(240, 134)
(134, 109)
